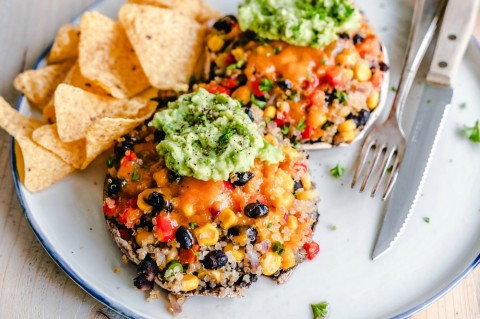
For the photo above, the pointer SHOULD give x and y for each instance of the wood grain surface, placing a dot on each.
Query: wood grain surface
(31, 284)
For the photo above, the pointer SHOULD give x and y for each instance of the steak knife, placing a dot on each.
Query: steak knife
(453, 38)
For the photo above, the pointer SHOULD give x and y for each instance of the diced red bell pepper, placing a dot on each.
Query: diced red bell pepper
(129, 156)
(228, 186)
(110, 206)
(317, 97)
(187, 256)
(334, 76)
(165, 228)
(230, 59)
(256, 88)
(307, 132)
(130, 216)
(230, 83)
(312, 249)
(214, 88)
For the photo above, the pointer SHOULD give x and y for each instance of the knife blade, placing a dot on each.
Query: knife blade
(455, 32)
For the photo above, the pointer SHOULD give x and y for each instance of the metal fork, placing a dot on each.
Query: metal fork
(387, 141)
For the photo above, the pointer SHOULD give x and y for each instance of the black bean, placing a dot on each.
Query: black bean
(383, 67)
(142, 283)
(147, 269)
(168, 207)
(225, 24)
(155, 200)
(252, 234)
(240, 179)
(158, 136)
(184, 237)
(249, 112)
(330, 96)
(284, 84)
(297, 185)
(211, 71)
(243, 235)
(241, 80)
(255, 210)
(362, 118)
(173, 177)
(215, 259)
(358, 38)
(114, 185)
(122, 147)
(344, 35)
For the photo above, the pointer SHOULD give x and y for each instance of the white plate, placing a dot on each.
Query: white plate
(428, 260)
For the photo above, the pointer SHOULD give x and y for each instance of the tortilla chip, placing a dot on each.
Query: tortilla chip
(167, 43)
(41, 168)
(76, 109)
(196, 9)
(65, 45)
(107, 58)
(49, 112)
(75, 78)
(72, 153)
(38, 85)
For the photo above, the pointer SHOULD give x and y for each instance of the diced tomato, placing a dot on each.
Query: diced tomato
(125, 233)
(312, 249)
(369, 46)
(130, 216)
(214, 88)
(258, 198)
(311, 85)
(307, 133)
(256, 88)
(130, 156)
(317, 97)
(377, 79)
(334, 76)
(187, 256)
(300, 168)
(165, 228)
(228, 186)
(230, 83)
(110, 207)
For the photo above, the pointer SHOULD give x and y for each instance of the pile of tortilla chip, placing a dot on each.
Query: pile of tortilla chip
(99, 81)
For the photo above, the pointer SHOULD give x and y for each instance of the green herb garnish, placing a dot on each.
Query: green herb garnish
(426, 219)
(394, 89)
(192, 225)
(110, 161)
(277, 50)
(278, 248)
(260, 104)
(473, 133)
(225, 137)
(341, 96)
(463, 105)
(389, 169)
(269, 225)
(135, 174)
(301, 125)
(337, 171)
(320, 310)
(265, 85)
(333, 227)
(285, 128)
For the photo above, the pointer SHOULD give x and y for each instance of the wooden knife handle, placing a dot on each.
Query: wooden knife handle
(456, 30)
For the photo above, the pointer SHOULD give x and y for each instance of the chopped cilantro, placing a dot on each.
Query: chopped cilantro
(337, 171)
(277, 50)
(192, 225)
(341, 96)
(110, 162)
(326, 125)
(285, 128)
(278, 248)
(333, 227)
(394, 89)
(473, 133)
(463, 105)
(225, 137)
(429, 101)
(320, 310)
(260, 104)
(389, 169)
(265, 85)
(324, 62)
(135, 174)
(269, 225)
(426, 219)
(301, 125)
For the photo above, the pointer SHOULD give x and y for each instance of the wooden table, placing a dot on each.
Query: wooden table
(31, 284)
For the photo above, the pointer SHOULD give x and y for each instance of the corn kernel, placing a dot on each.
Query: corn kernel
(242, 94)
(144, 237)
(172, 254)
(270, 263)
(362, 72)
(270, 112)
(345, 111)
(190, 282)
(316, 118)
(214, 274)
(347, 126)
(347, 136)
(348, 74)
(372, 100)
(141, 199)
(228, 218)
(288, 259)
(306, 195)
(282, 198)
(346, 59)
(215, 43)
(238, 254)
(187, 209)
(207, 234)
(271, 139)
(292, 222)
(306, 182)
(238, 53)
(221, 60)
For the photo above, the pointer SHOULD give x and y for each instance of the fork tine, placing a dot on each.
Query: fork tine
(362, 158)
(373, 162)
(393, 176)
(383, 168)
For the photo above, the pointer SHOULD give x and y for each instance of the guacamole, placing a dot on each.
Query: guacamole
(299, 22)
(208, 136)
